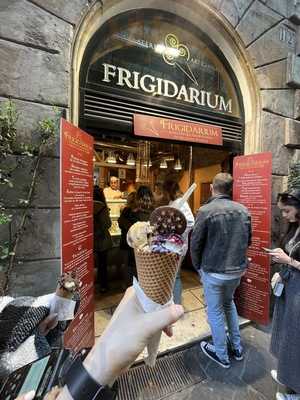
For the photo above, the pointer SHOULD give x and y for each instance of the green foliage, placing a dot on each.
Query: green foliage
(8, 122)
(46, 135)
(294, 176)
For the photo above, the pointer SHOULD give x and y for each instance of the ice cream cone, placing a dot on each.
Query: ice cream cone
(156, 274)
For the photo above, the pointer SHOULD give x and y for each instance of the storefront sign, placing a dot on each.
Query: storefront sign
(76, 194)
(172, 129)
(155, 86)
(252, 187)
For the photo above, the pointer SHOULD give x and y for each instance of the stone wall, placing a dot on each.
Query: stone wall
(35, 47)
(36, 38)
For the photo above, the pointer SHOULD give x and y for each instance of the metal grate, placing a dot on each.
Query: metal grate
(113, 108)
(171, 373)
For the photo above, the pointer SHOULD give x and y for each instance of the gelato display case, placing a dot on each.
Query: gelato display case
(115, 208)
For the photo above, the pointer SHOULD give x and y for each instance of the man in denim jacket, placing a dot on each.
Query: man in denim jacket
(221, 236)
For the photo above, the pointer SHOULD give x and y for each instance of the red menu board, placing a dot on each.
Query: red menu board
(174, 129)
(252, 187)
(76, 198)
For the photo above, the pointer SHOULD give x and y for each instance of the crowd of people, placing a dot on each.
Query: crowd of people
(219, 239)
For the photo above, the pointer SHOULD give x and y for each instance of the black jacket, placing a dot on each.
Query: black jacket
(102, 223)
(221, 236)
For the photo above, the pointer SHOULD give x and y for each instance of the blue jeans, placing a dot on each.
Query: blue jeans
(220, 308)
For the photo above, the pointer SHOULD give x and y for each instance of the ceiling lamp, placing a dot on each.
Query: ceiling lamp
(178, 166)
(163, 164)
(130, 160)
(111, 159)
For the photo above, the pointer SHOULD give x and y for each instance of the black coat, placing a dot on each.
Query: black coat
(285, 340)
(102, 223)
(129, 217)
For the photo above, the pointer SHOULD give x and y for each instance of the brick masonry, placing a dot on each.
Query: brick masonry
(35, 47)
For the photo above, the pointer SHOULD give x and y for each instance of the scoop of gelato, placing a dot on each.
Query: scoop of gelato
(139, 235)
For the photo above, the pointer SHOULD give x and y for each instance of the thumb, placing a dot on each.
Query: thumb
(158, 320)
(27, 396)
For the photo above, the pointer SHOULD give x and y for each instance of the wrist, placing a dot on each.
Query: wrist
(97, 364)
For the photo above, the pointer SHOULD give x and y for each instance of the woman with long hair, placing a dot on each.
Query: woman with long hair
(102, 238)
(172, 197)
(140, 205)
(285, 340)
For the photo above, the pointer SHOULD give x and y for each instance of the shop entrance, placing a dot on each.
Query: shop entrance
(150, 163)
(157, 64)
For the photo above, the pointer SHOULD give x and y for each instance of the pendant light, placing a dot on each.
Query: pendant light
(130, 160)
(111, 159)
(178, 166)
(163, 164)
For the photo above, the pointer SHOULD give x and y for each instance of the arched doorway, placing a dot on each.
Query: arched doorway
(156, 61)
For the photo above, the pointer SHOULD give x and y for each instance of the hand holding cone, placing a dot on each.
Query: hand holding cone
(157, 266)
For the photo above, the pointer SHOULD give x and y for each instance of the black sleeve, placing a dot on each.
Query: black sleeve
(198, 240)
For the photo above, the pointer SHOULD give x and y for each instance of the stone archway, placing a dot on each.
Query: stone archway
(212, 23)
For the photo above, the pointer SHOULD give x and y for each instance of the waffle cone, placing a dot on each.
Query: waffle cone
(156, 274)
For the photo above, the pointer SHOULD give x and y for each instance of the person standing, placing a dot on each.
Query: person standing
(112, 192)
(219, 242)
(285, 339)
(102, 238)
(172, 196)
(139, 208)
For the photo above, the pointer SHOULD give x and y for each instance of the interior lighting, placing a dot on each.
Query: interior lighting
(178, 166)
(168, 51)
(130, 160)
(163, 164)
(111, 159)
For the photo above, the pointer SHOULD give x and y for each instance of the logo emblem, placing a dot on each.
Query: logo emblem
(177, 54)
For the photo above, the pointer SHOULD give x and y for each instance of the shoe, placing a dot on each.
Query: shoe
(274, 376)
(281, 396)
(209, 351)
(236, 354)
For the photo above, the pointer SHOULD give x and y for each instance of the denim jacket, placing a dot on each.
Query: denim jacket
(221, 236)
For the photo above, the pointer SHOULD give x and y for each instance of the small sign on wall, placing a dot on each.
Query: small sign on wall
(122, 173)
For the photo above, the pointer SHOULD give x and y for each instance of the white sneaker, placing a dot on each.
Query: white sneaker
(281, 396)
(274, 376)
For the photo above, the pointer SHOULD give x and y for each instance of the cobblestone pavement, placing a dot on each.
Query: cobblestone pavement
(249, 379)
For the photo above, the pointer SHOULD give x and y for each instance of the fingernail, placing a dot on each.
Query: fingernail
(29, 395)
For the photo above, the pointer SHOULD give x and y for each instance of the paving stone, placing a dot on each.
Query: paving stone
(273, 136)
(26, 23)
(245, 380)
(281, 6)
(279, 101)
(69, 10)
(190, 302)
(24, 278)
(257, 20)
(33, 74)
(274, 45)
(272, 76)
